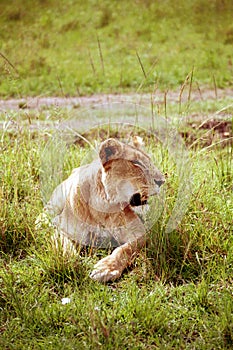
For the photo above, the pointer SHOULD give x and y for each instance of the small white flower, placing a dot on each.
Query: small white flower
(65, 301)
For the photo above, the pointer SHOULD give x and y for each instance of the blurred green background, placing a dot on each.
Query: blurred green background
(68, 47)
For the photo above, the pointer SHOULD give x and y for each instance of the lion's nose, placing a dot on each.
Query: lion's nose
(159, 182)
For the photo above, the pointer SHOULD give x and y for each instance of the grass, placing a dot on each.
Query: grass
(76, 48)
(177, 294)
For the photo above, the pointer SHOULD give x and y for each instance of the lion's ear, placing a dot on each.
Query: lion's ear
(109, 150)
(137, 141)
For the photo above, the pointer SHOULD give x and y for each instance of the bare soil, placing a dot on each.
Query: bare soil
(206, 130)
(83, 101)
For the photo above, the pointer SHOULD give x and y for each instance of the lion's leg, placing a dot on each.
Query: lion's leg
(112, 266)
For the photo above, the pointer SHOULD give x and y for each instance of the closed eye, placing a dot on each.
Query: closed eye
(136, 162)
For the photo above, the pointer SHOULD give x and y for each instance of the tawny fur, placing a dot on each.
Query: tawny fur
(94, 205)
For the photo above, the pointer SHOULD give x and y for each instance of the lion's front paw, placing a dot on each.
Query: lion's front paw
(106, 270)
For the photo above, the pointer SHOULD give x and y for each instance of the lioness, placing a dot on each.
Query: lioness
(97, 204)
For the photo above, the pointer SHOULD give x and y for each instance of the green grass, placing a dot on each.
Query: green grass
(177, 294)
(74, 48)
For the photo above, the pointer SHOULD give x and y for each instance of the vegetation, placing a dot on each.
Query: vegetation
(177, 294)
(69, 47)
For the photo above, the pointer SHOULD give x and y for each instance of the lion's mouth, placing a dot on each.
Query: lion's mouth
(136, 200)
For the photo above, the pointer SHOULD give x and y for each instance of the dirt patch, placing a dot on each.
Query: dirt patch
(208, 132)
(196, 129)
(157, 97)
(195, 134)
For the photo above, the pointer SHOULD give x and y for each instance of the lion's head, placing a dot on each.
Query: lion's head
(128, 174)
